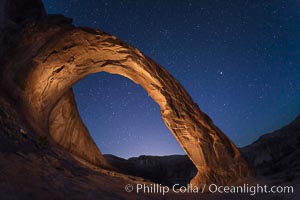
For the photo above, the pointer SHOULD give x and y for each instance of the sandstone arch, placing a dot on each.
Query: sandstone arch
(62, 61)
(48, 55)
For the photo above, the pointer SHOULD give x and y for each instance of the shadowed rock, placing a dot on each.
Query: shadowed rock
(276, 154)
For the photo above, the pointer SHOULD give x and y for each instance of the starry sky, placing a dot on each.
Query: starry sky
(238, 59)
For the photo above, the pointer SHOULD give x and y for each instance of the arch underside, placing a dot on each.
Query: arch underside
(65, 59)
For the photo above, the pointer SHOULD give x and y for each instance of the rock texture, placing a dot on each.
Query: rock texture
(67, 129)
(51, 55)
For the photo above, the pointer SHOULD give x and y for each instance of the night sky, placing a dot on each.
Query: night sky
(239, 60)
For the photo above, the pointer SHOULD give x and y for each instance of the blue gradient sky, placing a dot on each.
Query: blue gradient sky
(239, 60)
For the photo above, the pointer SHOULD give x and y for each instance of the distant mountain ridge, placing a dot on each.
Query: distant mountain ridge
(166, 170)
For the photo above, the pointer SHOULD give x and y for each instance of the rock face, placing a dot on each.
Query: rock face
(67, 129)
(51, 55)
(277, 153)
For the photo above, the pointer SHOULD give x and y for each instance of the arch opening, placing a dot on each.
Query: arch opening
(125, 122)
(121, 118)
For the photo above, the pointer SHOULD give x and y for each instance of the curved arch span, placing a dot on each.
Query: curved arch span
(62, 61)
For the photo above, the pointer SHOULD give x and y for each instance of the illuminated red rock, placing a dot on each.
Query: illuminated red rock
(52, 55)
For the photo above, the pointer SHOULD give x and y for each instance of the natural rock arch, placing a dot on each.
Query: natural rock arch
(43, 56)
(76, 53)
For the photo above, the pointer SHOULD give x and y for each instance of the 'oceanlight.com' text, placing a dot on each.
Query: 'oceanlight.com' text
(208, 188)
